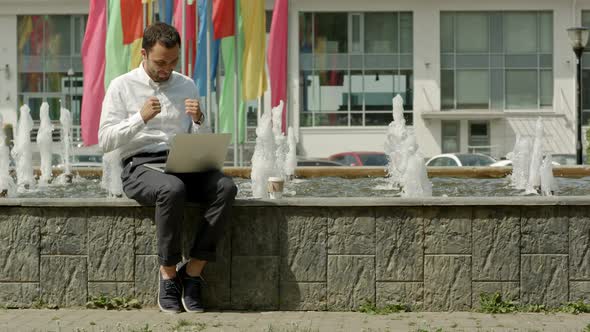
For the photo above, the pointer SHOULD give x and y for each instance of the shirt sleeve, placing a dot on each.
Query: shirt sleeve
(116, 127)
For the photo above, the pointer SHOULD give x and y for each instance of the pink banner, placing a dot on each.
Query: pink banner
(189, 42)
(277, 56)
(93, 61)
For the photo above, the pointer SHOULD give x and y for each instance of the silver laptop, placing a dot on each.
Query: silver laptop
(191, 153)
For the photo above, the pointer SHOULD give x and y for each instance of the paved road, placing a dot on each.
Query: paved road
(151, 320)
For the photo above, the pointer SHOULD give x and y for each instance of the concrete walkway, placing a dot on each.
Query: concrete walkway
(151, 320)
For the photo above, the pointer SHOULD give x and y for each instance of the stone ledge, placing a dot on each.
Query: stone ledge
(309, 257)
(321, 201)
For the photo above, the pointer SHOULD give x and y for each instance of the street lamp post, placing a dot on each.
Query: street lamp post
(578, 37)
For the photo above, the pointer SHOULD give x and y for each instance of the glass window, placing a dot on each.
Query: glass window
(471, 30)
(472, 89)
(331, 31)
(521, 88)
(358, 63)
(381, 31)
(49, 63)
(450, 136)
(496, 60)
(520, 32)
(479, 137)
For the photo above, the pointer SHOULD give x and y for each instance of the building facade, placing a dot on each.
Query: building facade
(473, 74)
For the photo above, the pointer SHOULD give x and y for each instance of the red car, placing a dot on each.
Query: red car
(360, 158)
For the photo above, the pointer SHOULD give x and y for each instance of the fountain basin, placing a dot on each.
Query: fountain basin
(435, 253)
(371, 171)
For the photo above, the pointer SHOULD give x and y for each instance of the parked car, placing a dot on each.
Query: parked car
(317, 162)
(460, 159)
(360, 158)
(81, 160)
(557, 160)
(565, 159)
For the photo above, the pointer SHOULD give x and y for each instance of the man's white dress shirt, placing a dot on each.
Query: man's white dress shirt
(121, 124)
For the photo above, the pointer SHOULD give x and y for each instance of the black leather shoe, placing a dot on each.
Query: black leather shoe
(169, 295)
(191, 291)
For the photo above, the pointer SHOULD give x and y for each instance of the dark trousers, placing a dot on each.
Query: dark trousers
(169, 193)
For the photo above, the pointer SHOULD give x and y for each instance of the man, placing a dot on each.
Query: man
(141, 112)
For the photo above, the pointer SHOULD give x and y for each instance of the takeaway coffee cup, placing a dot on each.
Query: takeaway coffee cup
(275, 187)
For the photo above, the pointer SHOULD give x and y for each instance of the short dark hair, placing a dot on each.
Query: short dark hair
(160, 32)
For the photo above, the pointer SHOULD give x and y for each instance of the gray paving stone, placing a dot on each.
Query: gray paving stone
(496, 244)
(351, 281)
(399, 292)
(544, 279)
(544, 231)
(255, 231)
(64, 280)
(303, 243)
(19, 245)
(111, 289)
(18, 294)
(146, 239)
(509, 290)
(399, 253)
(111, 237)
(447, 282)
(447, 231)
(579, 290)
(303, 296)
(63, 232)
(146, 279)
(255, 282)
(579, 245)
(351, 232)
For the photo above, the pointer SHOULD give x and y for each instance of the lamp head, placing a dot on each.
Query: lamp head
(578, 37)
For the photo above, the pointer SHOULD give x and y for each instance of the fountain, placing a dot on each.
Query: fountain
(291, 161)
(45, 142)
(274, 154)
(534, 182)
(22, 151)
(65, 119)
(7, 185)
(520, 157)
(548, 184)
(111, 173)
(405, 166)
(400, 248)
(530, 171)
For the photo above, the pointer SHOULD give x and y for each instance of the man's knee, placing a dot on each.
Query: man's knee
(173, 189)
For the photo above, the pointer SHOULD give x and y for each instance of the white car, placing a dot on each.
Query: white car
(508, 163)
(460, 159)
(502, 163)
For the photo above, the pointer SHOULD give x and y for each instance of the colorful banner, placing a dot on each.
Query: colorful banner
(93, 61)
(253, 66)
(277, 57)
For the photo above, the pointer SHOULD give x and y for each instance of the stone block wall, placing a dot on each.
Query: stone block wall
(315, 254)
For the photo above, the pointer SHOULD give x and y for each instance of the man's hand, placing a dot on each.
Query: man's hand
(150, 109)
(193, 109)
